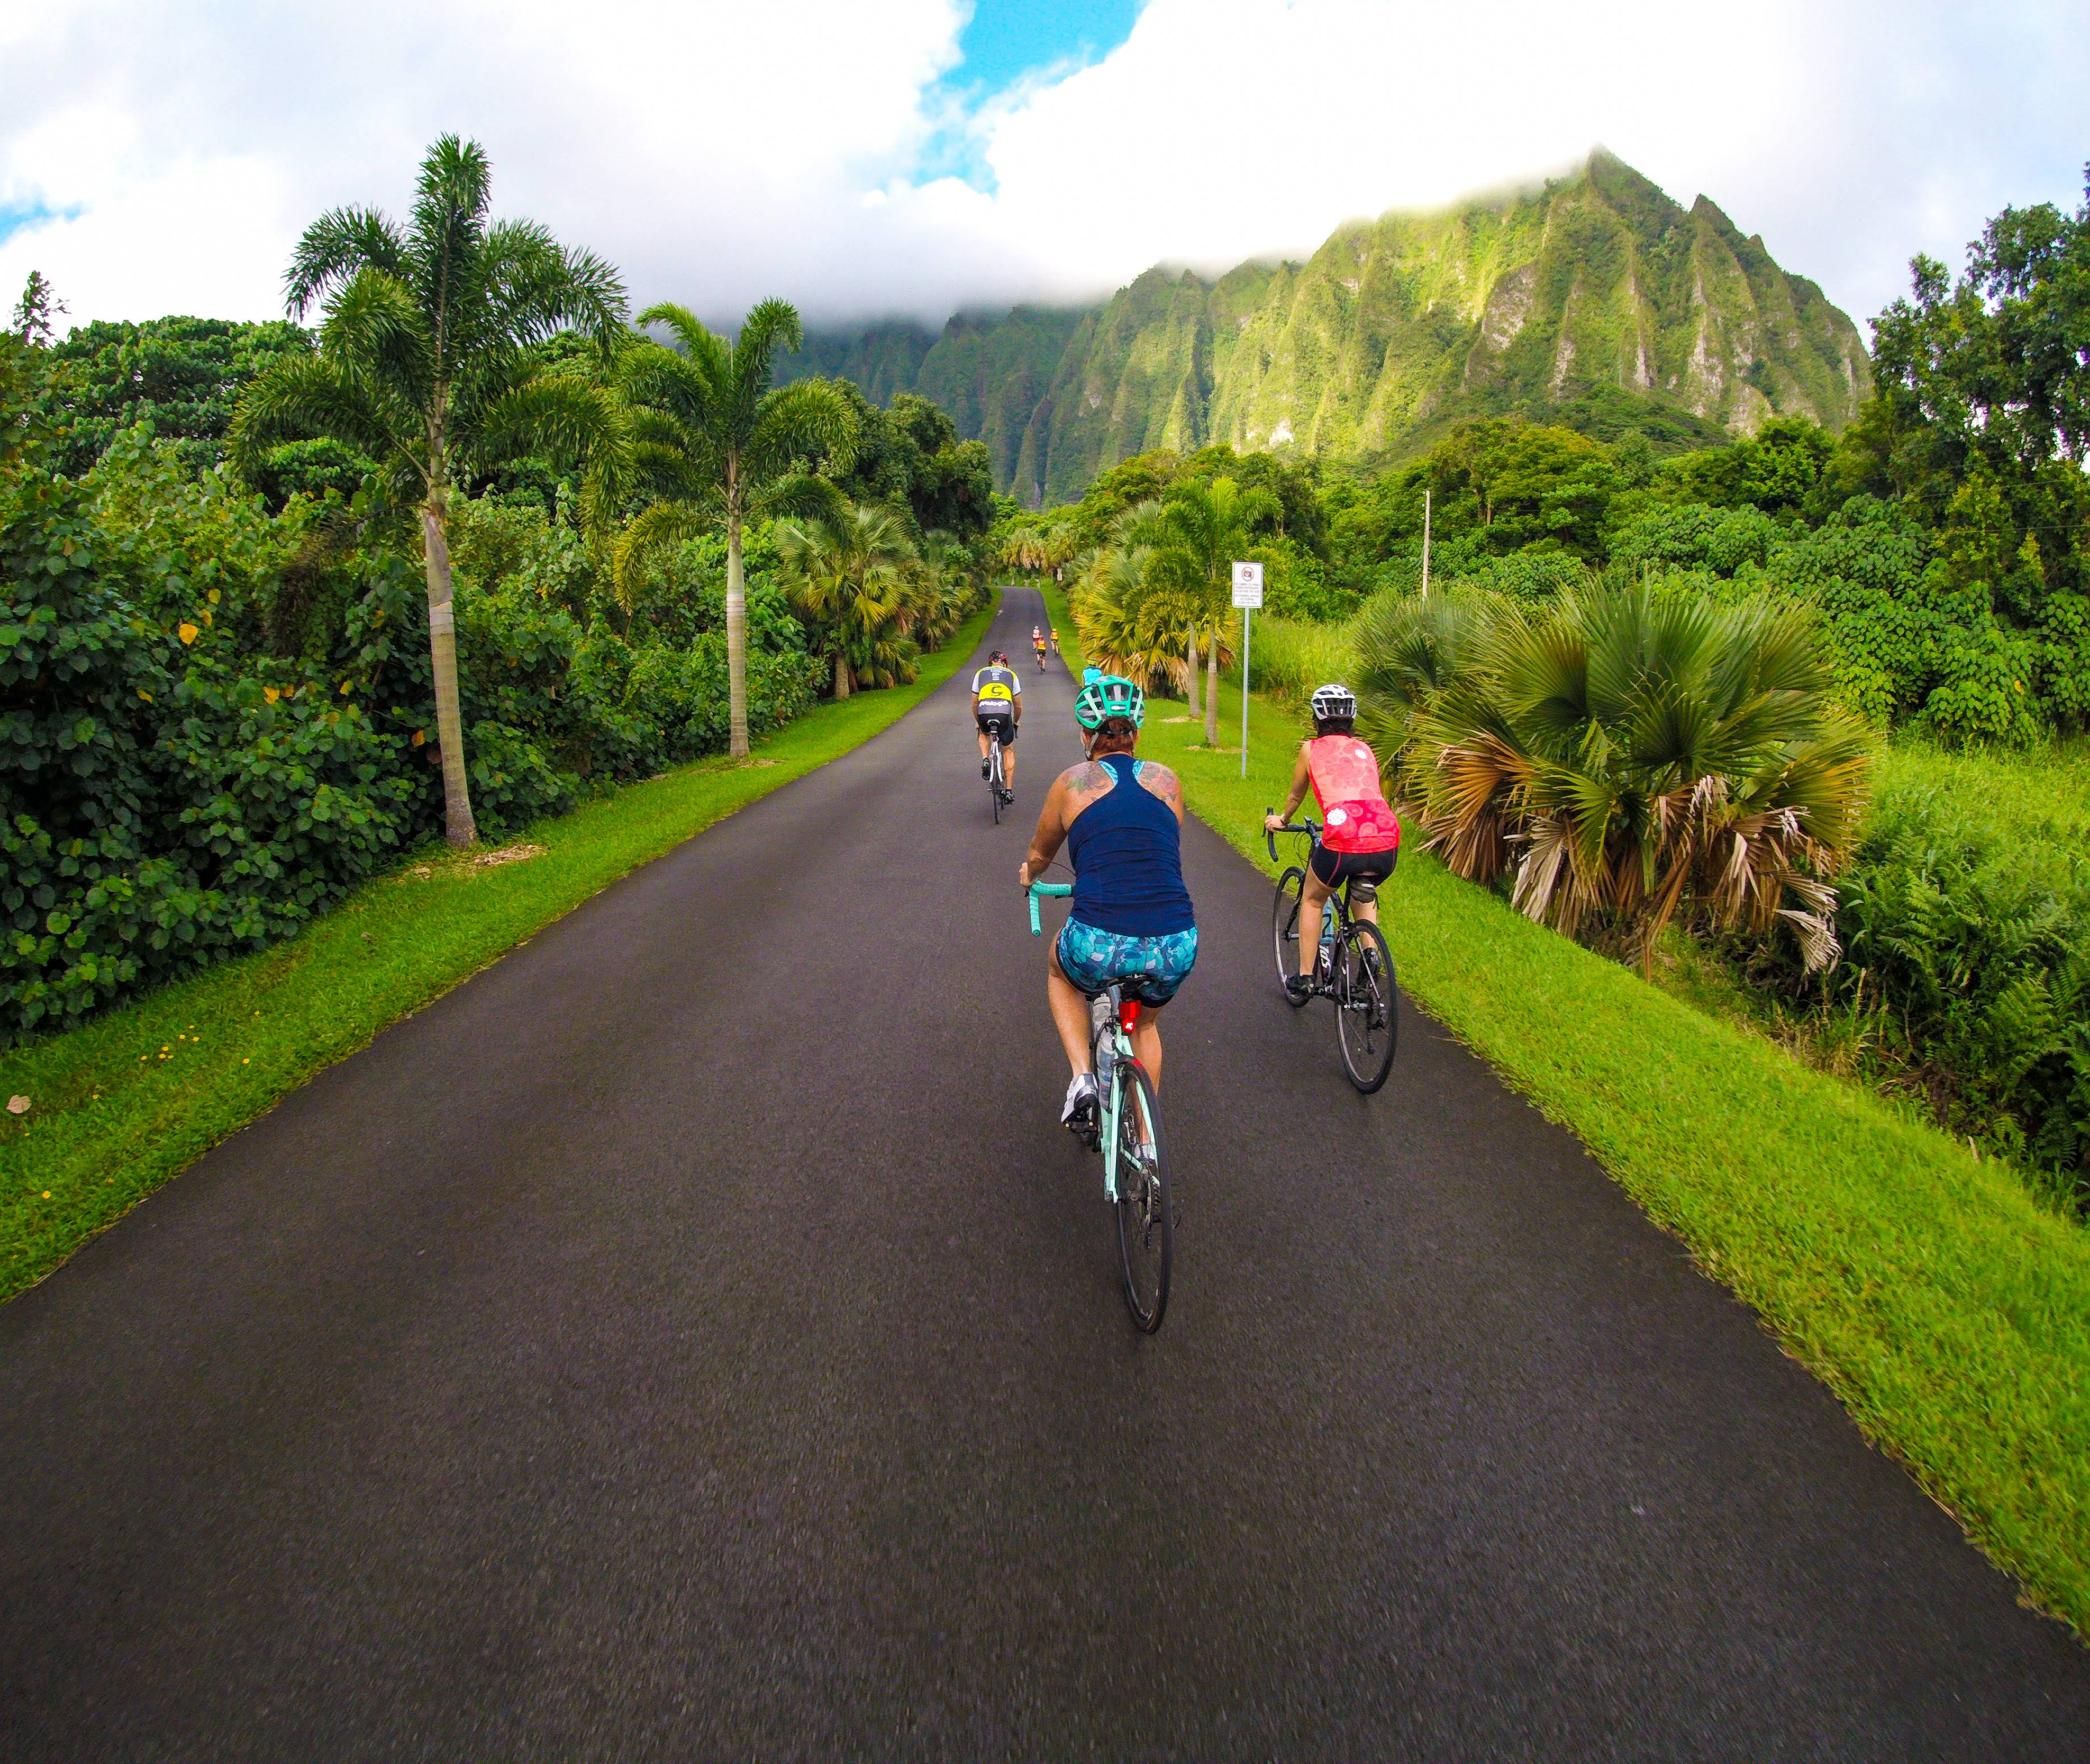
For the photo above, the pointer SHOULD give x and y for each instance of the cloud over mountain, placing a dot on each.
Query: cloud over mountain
(154, 158)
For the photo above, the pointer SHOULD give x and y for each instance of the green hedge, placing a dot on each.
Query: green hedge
(174, 788)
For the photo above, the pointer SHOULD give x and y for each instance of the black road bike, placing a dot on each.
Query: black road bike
(1354, 968)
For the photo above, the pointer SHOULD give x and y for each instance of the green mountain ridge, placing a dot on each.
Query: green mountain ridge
(1595, 295)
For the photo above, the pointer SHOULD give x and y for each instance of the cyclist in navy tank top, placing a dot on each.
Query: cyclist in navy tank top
(1131, 922)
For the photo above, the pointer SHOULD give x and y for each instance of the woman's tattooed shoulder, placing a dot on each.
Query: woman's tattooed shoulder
(1163, 783)
(1090, 778)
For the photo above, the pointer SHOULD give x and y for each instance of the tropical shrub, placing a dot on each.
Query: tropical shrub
(173, 789)
(1627, 756)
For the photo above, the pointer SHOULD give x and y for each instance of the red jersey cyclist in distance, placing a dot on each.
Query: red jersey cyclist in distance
(1359, 836)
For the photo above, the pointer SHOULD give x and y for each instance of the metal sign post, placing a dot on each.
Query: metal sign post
(1248, 593)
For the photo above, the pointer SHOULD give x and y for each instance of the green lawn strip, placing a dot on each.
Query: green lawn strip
(1947, 1309)
(121, 1104)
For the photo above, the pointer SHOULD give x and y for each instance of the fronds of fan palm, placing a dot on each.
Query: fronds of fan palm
(1629, 756)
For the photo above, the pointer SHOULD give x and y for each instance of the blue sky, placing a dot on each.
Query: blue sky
(1001, 45)
(911, 156)
(1006, 39)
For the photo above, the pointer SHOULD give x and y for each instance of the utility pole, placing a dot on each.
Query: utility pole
(1425, 545)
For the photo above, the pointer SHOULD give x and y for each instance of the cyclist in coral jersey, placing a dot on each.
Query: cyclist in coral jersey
(1360, 839)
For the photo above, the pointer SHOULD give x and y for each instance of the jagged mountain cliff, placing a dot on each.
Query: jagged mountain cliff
(1597, 284)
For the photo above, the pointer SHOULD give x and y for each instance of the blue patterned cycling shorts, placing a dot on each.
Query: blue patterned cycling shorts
(1151, 968)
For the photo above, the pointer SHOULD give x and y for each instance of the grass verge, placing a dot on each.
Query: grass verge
(1946, 1307)
(119, 1105)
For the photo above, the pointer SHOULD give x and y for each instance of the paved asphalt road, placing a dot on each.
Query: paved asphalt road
(695, 1340)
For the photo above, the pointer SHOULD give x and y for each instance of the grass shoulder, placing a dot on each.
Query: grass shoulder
(1948, 1309)
(120, 1104)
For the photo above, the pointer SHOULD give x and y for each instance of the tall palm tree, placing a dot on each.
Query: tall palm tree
(717, 443)
(1626, 753)
(1198, 531)
(426, 365)
(850, 573)
(1130, 627)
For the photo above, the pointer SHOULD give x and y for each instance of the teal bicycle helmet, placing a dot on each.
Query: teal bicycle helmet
(1105, 695)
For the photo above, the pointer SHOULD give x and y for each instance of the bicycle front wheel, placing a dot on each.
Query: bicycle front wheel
(1146, 1223)
(1365, 1009)
(1284, 929)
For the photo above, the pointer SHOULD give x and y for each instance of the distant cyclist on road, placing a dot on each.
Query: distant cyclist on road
(1359, 836)
(997, 708)
(1037, 644)
(1131, 919)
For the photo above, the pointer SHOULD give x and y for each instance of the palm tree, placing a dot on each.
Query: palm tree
(1626, 751)
(714, 441)
(1039, 547)
(942, 591)
(1129, 625)
(1198, 531)
(426, 365)
(850, 574)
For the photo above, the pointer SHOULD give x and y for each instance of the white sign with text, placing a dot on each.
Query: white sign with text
(1248, 584)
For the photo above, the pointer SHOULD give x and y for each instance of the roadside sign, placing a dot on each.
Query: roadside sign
(1248, 584)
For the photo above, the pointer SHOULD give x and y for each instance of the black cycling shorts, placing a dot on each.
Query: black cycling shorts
(1005, 726)
(1333, 869)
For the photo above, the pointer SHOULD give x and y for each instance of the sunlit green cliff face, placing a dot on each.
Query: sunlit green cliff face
(1596, 294)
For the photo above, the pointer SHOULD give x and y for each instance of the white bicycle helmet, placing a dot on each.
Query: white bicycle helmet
(1332, 702)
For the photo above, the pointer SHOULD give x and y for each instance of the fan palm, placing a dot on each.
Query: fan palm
(1410, 652)
(717, 444)
(425, 364)
(1626, 752)
(849, 573)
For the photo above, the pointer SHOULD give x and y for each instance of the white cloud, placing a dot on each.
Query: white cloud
(723, 152)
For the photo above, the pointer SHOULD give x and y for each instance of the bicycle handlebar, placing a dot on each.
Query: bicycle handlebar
(1310, 827)
(1037, 888)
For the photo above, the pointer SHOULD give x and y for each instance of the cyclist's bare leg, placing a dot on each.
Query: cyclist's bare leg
(1070, 1017)
(983, 740)
(1146, 1042)
(1070, 1012)
(1313, 900)
(1008, 769)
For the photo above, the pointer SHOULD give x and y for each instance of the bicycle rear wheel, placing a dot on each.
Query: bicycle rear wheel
(1366, 1014)
(994, 774)
(1284, 929)
(1146, 1220)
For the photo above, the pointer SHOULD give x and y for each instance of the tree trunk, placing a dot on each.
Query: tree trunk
(841, 675)
(1212, 692)
(458, 826)
(736, 639)
(1190, 674)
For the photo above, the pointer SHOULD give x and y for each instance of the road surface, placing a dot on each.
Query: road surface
(694, 1339)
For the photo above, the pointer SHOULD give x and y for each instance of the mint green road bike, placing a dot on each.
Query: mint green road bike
(1126, 1129)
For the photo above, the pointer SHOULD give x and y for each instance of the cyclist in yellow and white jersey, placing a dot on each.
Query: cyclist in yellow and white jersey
(998, 707)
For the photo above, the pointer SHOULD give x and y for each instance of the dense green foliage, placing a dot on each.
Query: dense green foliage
(218, 689)
(1622, 757)
(1594, 302)
(213, 728)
